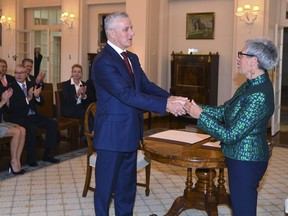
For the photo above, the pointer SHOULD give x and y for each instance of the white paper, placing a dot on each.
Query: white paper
(213, 144)
(181, 136)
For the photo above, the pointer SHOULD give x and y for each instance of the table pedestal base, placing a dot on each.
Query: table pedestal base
(204, 196)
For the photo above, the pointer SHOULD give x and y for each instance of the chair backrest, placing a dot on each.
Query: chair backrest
(47, 109)
(48, 87)
(59, 86)
(89, 117)
(58, 101)
(88, 126)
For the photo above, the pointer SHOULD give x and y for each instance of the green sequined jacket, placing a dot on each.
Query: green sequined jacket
(240, 123)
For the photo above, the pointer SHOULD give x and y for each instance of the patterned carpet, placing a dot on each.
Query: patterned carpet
(63, 157)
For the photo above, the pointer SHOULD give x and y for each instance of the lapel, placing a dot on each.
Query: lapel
(72, 88)
(120, 62)
(18, 93)
(29, 84)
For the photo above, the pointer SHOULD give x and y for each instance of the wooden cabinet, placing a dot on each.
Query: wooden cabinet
(195, 76)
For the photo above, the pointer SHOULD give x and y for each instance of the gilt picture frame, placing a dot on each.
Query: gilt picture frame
(200, 25)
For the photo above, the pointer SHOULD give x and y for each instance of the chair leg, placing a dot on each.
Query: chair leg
(87, 180)
(147, 172)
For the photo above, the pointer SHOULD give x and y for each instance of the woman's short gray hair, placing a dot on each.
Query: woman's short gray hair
(265, 51)
(109, 21)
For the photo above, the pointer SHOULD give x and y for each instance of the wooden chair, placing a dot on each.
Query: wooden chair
(4, 141)
(92, 156)
(48, 108)
(64, 124)
(59, 101)
(59, 86)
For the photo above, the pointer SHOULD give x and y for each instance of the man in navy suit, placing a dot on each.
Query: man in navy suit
(122, 95)
(23, 111)
(37, 80)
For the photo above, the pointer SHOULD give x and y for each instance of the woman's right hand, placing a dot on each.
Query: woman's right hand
(6, 95)
(193, 109)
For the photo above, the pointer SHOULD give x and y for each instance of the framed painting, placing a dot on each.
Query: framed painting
(200, 25)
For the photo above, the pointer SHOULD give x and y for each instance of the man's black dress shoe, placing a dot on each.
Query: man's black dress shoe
(32, 164)
(50, 158)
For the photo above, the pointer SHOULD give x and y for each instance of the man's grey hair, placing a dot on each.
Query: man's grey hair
(109, 21)
(265, 51)
(20, 66)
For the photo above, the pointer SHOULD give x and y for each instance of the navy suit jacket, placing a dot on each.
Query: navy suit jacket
(69, 100)
(118, 122)
(18, 107)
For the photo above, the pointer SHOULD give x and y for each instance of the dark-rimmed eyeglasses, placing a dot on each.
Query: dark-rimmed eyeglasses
(240, 54)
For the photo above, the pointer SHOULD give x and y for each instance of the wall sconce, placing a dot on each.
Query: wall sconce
(6, 21)
(247, 15)
(67, 19)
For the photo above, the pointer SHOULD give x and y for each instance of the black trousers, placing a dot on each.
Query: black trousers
(32, 123)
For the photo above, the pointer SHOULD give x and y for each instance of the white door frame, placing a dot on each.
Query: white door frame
(277, 80)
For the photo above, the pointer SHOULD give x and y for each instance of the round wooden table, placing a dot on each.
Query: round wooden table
(207, 193)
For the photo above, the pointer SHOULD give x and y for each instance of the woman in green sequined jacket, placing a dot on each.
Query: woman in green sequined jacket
(240, 124)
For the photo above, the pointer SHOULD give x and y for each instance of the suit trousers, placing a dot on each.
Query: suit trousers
(115, 172)
(244, 178)
(32, 123)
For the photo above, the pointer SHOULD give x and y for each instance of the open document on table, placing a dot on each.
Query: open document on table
(212, 144)
(179, 137)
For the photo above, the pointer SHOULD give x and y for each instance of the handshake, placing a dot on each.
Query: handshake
(178, 106)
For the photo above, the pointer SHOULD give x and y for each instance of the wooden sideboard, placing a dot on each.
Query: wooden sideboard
(195, 76)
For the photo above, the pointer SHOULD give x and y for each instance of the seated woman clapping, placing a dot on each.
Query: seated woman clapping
(18, 134)
(75, 101)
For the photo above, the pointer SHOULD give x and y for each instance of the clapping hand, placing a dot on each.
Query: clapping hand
(37, 91)
(6, 95)
(81, 92)
(193, 109)
(40, 77)
(175, 105)
(30, 93)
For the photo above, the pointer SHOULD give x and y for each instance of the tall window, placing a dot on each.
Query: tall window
(42, 29)
(47, 16)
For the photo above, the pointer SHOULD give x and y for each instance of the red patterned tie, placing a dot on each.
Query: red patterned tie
(3, 81)
(124, 54)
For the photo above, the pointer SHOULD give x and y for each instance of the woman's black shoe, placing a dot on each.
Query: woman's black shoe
(21, 172)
